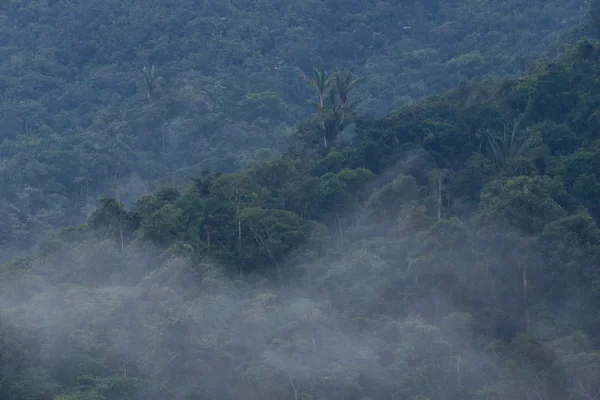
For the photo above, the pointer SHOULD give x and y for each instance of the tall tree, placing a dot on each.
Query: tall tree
(505, 147)
(436, 180)
(241, 192)
(321, 82)
(343, 81)
(151, 81)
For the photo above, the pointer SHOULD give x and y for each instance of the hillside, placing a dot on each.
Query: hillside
(96, 95)
(447, 251)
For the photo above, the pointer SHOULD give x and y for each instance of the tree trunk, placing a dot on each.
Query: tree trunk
(239, 235)
(339, 226)
(312, 330)
(240, 248)
(321, 107)
(342, 114)
(276, 266)
(440, 199)
(458, 369)
(292, 384)
(121, 234)
(436, 180)
(120, 220)
(526, 302)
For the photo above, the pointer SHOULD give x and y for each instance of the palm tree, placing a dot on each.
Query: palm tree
(151, 81)
(321, 82)
(507, 146)
(333, 104)
(343, 81)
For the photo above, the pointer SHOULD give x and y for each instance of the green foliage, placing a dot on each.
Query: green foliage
(505, 148)
(526, 203)
(113, 93)
(429, 254)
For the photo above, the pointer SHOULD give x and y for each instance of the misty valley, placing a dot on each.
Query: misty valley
(318, 200)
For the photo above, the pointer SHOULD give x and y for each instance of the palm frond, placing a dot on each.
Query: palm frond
(507, 146)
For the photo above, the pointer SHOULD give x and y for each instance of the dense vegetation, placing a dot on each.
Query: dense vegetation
(447, 251)
(99, 94)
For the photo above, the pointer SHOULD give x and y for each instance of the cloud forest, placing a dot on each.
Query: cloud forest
(280, 200)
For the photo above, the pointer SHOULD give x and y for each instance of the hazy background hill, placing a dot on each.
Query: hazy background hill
(78, 114)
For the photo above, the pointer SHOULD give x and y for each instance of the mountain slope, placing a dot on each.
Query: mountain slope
(447, 251)
(79, 115)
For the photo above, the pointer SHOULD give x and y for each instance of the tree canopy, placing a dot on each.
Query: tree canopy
(248, 249)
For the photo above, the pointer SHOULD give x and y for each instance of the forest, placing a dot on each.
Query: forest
(99, 94)
(306, 201)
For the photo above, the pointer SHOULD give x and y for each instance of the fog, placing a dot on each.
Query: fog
(154, 325)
